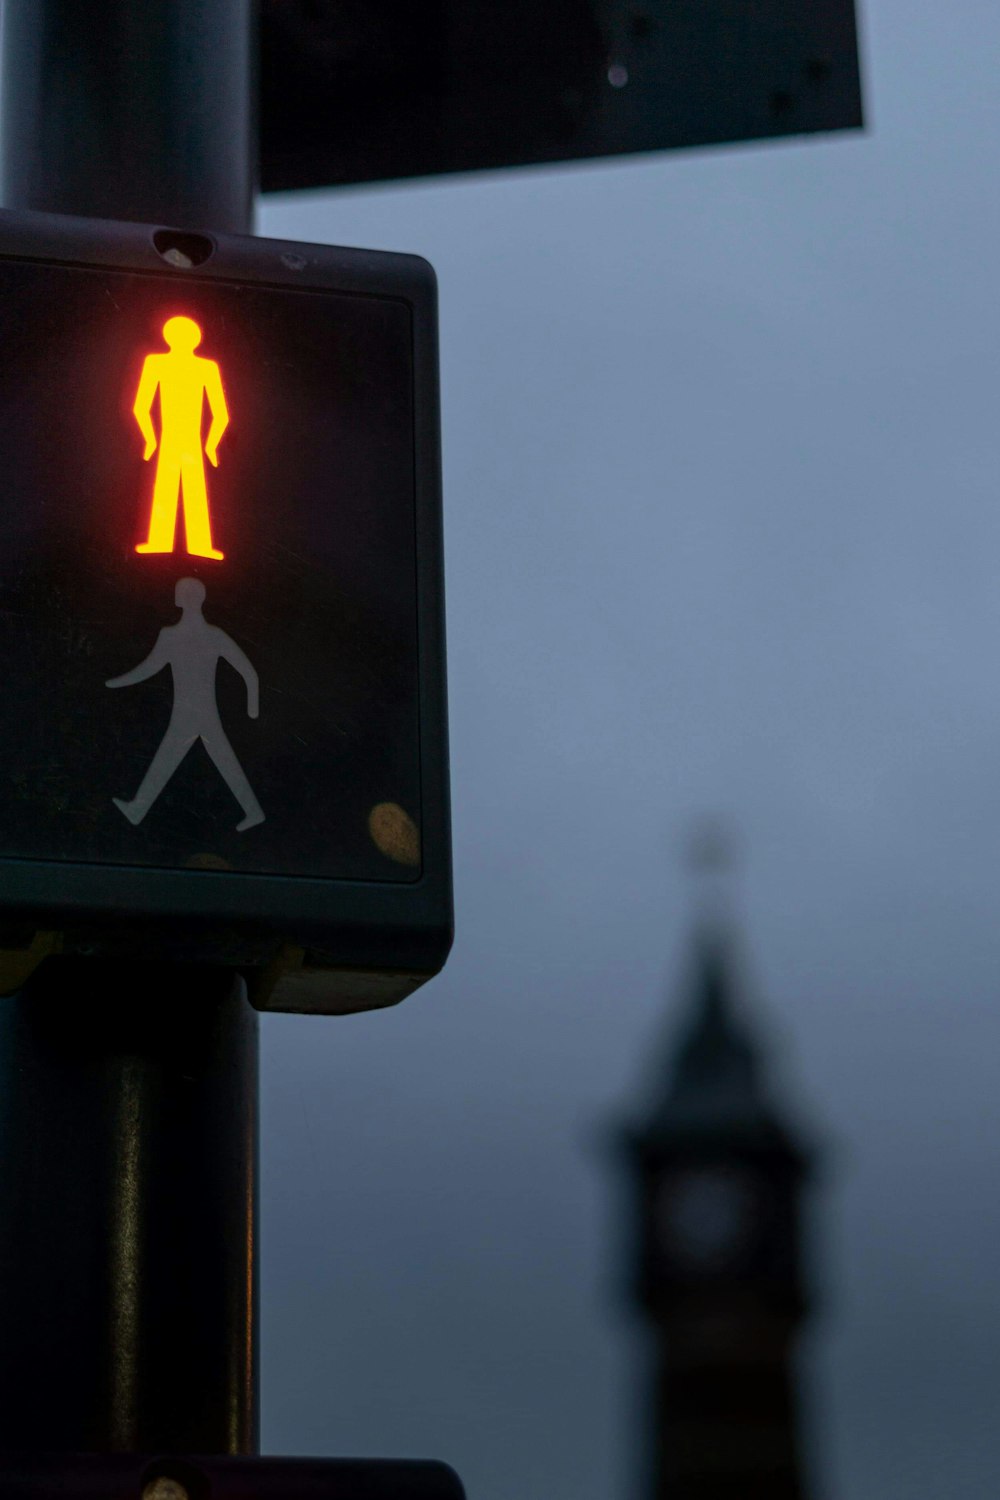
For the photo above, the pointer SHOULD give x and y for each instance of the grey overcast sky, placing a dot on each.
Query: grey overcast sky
(723, 533)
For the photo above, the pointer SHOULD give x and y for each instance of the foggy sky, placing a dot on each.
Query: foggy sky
(723, 533)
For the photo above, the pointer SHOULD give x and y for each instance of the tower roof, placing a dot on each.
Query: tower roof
(712, 1089)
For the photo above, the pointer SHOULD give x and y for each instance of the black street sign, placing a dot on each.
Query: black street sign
(149, 1477)
(221, 619)
(361, 93)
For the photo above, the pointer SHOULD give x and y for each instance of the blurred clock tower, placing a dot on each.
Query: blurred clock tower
(718, 1176)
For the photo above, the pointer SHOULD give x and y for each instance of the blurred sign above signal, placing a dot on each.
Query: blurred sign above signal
(354, 93)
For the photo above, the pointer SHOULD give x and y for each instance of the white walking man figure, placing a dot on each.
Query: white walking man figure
(192, 649)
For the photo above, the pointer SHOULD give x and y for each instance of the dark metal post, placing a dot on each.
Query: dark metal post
(133, 111)
(128, 1131)
(128, 1094)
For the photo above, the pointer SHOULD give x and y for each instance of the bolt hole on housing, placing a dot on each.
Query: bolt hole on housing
(183, 249)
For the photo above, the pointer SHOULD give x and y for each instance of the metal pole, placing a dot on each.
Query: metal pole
(128, 1093)
(126, 110)
(128, 1144)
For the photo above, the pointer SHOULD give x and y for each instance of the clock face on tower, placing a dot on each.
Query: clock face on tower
(704, 1218)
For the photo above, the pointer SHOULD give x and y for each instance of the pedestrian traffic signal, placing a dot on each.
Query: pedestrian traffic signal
(223, 468)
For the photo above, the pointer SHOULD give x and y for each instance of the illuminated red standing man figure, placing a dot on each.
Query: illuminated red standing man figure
(183, 380)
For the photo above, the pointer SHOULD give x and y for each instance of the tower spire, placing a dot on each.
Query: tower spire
(711, 1079)
(718, 1177)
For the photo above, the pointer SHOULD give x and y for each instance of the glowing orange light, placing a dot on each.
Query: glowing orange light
(183, 380)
